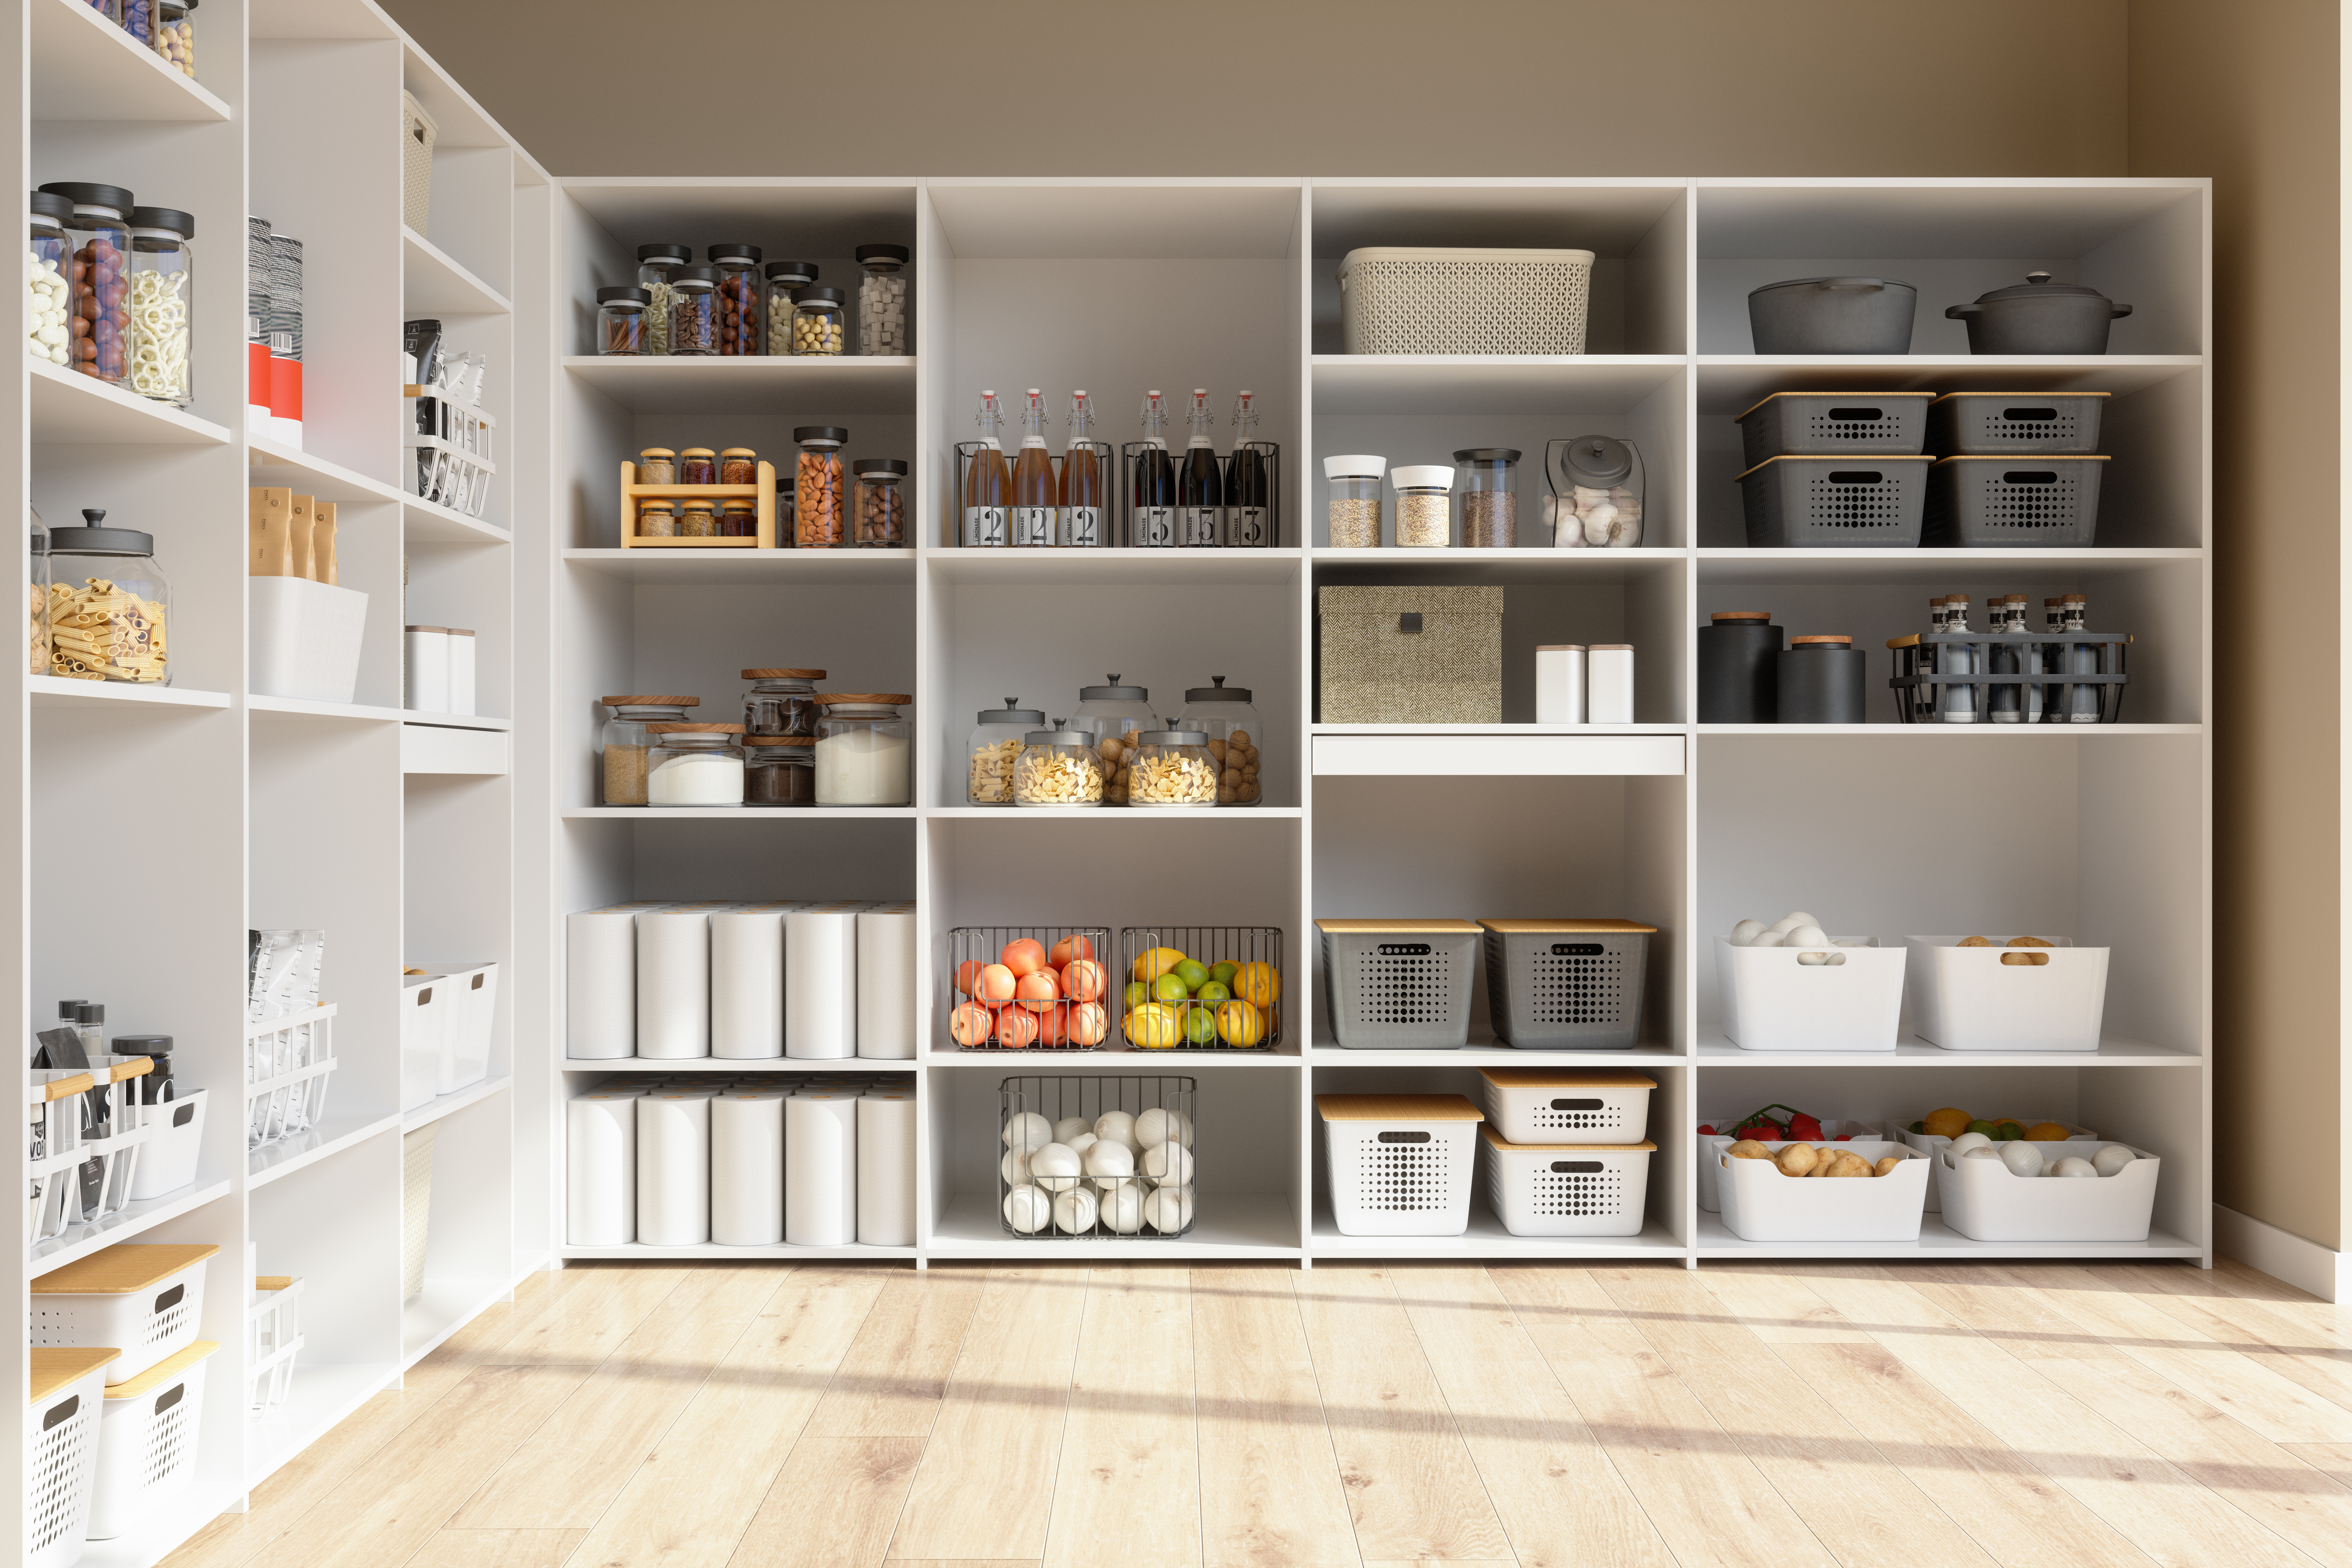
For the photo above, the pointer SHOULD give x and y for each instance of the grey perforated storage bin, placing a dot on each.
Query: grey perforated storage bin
(1997, 423)
(1444, 300)
(1398, 985)
(1832, 423)
(1849, 503)
(1566, 986)
(2014, 501)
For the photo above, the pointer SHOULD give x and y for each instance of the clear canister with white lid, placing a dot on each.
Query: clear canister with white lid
(1352, 516)
(162, 301)
(48, 278)
(1058, 767)
(1115, 715)
(1423, 512)
(995, 746)
(1234, 726)
(1173, 768)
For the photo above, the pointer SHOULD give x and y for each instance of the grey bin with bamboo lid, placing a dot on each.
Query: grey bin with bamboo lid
(1833, 424)
(1399, 984)
(1566, 985)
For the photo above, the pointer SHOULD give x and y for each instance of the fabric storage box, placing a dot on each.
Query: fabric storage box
(169, 1161)
(2027, 502)
(142, 1301)
(1759, 1203)
(426, 1012)
(2003, 423)
(1408, 656)
(62, 1427)
(1984, 1202)
(1560, 1189)
(1711, 1146)
(415, 1207)
(1565, 1105)
(1844, 503)
(1399, 985)
(1967, 999)
(2079, 1141)
(305, 639)
(1397, 1164)
(1432, 300)
(147, 1441)
(1566, 985)
(417, 134)
(1835, 424)
(472, 1001)
(1772, 1002)
(273, 1333)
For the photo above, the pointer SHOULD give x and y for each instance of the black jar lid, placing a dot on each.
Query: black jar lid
(1114, 693)
(1221, 692)
(1488, 455)
(804, 271)
(623, 295)
(694, 274)
(88, 196)
(1011, 713)
(819, 435)
(172, 220)
(896, 467)
(818, 296)
(95, 539)
(45, 204)
(888, 255)
(142, 1045)
(665, 253)
(732, 251)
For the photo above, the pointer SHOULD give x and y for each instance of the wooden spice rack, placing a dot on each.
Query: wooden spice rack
(632, 492)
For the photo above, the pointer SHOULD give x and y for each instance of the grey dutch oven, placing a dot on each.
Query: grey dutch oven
(1833, 316)
(2039, 317)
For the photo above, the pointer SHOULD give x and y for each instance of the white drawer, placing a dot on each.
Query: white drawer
(1455, 756)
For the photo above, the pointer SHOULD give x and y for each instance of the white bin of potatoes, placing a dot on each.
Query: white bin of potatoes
(1780, 1199)
(1989, 1199)
(2006, 993)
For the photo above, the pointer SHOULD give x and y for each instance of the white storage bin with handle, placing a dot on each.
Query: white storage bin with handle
(471, 997)
(288, 1063)
(2078, 1140)
(54, 1149)
(273, 1335)
(1566, 1189)
(169, 1161)
(1773, 1002)
(62, 1451)
(147, 1441)
(2003, 998)
(303, 638)
(1565, 1105)
(425, 1013)
(1711, 1146)
(1985, 1201)
(142, 1301)
(1398, 1164)
(1760, 1203)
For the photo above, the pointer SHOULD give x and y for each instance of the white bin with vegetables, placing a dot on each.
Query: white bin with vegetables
(1871, 1190)
(1792, 986)
(2006, 993)
(1771, 1126)
(2014, 1192)
(1951, 1122)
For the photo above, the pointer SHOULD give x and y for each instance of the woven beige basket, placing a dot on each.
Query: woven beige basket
(415, 1207)
(1376, 669)
(417, 134)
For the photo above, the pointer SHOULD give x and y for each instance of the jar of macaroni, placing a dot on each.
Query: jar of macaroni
(163, 298)
(1058, 767)
(109, 605)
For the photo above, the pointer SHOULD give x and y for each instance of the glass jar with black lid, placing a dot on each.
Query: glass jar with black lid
(819, 320)
(657, 264)
(739, 312)
(109, 605)
(694, 311)
(620, 321)
(995, 747)
(786, 278)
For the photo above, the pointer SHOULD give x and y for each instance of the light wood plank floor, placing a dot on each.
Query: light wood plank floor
(771, 1416)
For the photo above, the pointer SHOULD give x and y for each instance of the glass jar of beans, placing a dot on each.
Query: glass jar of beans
(738, 266)
(881, 508)
(818, 321)
(817, 522)
(786, 278)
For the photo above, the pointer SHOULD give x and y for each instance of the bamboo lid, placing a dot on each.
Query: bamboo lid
(1740, 615)
(162, 1372)
(868, 699)
(1857, 396)
(1396, 1107)
(651, 702)
(1515, 928)
(2026, 397)
(120, 1270)
(693, 729)
(1848, 641)
(1499, 1141)
(1402, 927)
(57, 1368)
(1565, 1078)
(783, 675)
(269, 1284)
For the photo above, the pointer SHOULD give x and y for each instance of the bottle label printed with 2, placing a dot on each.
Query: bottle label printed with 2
(985, 527)
(1198, 527)
(1080, 526)
(1033, 525)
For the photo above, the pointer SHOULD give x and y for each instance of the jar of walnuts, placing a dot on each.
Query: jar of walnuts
(1115, 714)
(1233, 727)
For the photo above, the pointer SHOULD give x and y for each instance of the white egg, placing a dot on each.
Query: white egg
(1116, 1126)
(1027, 1132)
(2112, 1158)
(1106, 1158)
(2073, 1165)
(1169, 1209)
(1806, 936)
(1765, 939)
(1982, 1152)
(1015, 1166)
(1079, 1141)
(1814, 959)
(1744, 933)
(1155, 1126)
(2023, 1159)
(1792, 919)
(1168, 1165)
(1121, 1207)
(1069, 1126)
(1074, 1210)
(1836, 959)
(1055, 1167)
(1967, 1140)
(1028, 1209)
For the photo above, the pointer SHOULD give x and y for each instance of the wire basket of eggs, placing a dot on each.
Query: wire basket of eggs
(1096, 1157)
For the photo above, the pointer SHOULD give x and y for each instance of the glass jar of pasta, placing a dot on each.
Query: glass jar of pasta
(995, 748)
(1173, 768)
(109, 605)
(1058, 767)
(36, 598)
(163, 299)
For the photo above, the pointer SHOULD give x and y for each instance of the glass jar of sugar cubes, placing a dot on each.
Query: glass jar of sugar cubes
(882, 300)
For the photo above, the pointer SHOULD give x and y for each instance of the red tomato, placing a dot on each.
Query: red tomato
(1036, 991)
(1083, 980)
(1015, 1028)
(1023, 957)
(1053, 1024)
(1068, 948)
(995, 985)
(1705, 1130)
(971, 1023)
(1089, 1023)
(968, 976)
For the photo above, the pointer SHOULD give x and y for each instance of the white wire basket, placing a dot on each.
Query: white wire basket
(1145, 1193)
(273, 1336)
(288, 1062)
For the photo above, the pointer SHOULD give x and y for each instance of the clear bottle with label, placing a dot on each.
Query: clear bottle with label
(2053, 659)
(985, 483)
(1200, 482)
(2081, 658)
(1252, 520)
(1115, 715)
(1959, 704)
(1036, 498)
(1150, 481)
(2005, 702)
(1234, 728)
(1083, 491)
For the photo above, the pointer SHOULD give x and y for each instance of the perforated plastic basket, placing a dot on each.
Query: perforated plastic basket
(1557, 1189)
(417, 134)
(144, 1301)
(1565, 1105)
(1566, 985)
(1854, 503)
(147, 1441)
(1835, 424)
(62, 1452)
(2004, 423)
(1399, 984)
(1428, 300)
(2016, 501)
(1397, 1164)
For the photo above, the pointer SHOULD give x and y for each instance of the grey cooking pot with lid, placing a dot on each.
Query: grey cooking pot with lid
(2039, 317)
(1833, 316)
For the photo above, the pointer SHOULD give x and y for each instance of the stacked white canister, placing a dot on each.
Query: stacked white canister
(1576, 684)
(437, 669)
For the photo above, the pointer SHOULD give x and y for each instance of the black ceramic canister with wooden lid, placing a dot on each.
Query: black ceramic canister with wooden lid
(1738, 668)
(1823, 681)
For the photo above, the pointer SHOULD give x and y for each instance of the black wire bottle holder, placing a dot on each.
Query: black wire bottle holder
(992, 528)
(1921, 694)
(1239, 528)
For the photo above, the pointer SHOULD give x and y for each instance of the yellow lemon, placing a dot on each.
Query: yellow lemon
(1949, 1122)
(1154, 962)
(1239, 1024)
(1257, 985)
(1153, 1028)
(2047, 1132)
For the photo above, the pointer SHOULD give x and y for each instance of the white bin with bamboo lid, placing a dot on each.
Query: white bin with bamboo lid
(147, 1441)
(1397, 1164)
(144, 1301)
(61, 1450)
(1565, 1105)
(1566, 1189)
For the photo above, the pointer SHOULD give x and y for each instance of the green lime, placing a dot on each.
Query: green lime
(1169, 987)
(1985, 1127)
(1916, 1126)
(2006, 1133)
(1200, 1026)
(1214, 991)
(1193, 974)
(1138, 993)
(1223, 973)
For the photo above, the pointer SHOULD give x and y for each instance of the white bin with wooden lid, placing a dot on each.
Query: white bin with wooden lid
(1565, 1105)
(145, 1301)
(1397, 1164)
(1399, 984)
(62, 1451)
(147, 1441)
(1566, 1189)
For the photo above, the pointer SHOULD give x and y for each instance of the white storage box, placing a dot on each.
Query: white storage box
(1711, 1146)
(288, 1062)
(1397, 1164)
(62, 1452)
(1565, 1105)
(426, 1012)
(1566, 1189)
(144, 1301)
(472, 1003)
(305, 639)
(415, 1207)
(417, 134)
(169, 1161)
(1967, 999)
(1984, 1201)
(2078, 1140)
(1772, 1002)
(273, 1333)
(1443, 299)
(147, 1441)
(1759, 1203)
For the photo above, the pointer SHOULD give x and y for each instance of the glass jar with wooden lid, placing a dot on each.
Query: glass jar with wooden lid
(782, 703)
(625, 739)
(694, 764)
(779, 770)
(864, 749)
(697, 519)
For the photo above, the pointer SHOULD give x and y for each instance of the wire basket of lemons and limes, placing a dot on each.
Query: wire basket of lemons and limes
(1201, 988)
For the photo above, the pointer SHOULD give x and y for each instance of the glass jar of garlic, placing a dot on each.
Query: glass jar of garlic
(1058, 767)
(1173, 768)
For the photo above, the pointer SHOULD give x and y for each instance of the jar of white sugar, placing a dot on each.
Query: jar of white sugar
(864, 749)
(694, 764)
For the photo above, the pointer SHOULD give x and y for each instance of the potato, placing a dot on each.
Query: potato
(2026, 942)
(1886, 1164)
(2025, 960)
(1974, 942)
(1797, 1160)
(1850, 1164)
(1749, 1149)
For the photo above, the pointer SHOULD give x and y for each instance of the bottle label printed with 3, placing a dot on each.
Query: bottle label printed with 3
(1245, 525)
(1155, 527)
(1080, 526)
(1033, 525)
(1199, 527)
(986, 527)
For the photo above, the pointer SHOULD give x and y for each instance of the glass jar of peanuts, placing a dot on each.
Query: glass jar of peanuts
(1224, 713)
(1173, 768)
(817, 522)
(1114, 715)
(818, 321)
(995, 747)
(1058, 767)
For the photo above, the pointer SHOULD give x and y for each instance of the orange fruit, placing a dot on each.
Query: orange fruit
(1949, 1122)
(1257, 985)
(2047, 1132)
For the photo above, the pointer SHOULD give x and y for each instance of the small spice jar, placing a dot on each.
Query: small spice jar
(175, 35)
(882, 300)
(995, 748)
(881, 508)
(1234, 726)
(697, 520)
(738, 266)
(782, 703)
(1424, 521)
(739, 520)
(108, 604)
(658, 465)
(1116, 716)
(818, 318)
(655, 266)
(99, 321)
(694, 764)
(694, 311)
(625, 741)
(656, 520)
(738, 466)
(1173, 768)
(48, 280)
(786, 278)
(697, 465)
(620, 321)
(1490, 497)
(1352, 517)
(818, 486)
(864, 749)
(1058, 767)
(779, 770)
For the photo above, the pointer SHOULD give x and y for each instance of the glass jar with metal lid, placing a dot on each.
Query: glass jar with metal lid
(694, 311)
(738, 265)
(36, 598)
(99, 322)
(694, 764)
(995, 747)
(49, 277)
(782, 703)
(626, 740)
(1114, 715)
(786, 278)
(1490, 497)
(864, 749)
(109, 605)
(657, 264)
(817, 487)
(1234, 728)
(779, 770)
(1173, 768)
(620, 321)
(818, 321)
(882, 300)
(1058, 767)
(881, 508)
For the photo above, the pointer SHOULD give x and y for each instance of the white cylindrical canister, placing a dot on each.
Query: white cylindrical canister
(1609, 683)
(673, 982)
(461, 671)
(747, 982)
(885, 983)
(1559, 683)
(821, 982)
(821, 1168)
(673, 1167)
(885, 1168)
(599, 963)
(746, 1167)
(424, 666)
(600, 1178)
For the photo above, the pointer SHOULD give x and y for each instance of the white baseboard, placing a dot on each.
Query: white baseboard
(2282, 1255)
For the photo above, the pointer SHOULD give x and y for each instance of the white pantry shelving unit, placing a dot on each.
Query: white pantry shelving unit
(155, 827)
(1117, 286)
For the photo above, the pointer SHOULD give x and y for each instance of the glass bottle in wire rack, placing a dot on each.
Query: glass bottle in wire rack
(1200, 482)
(1959, 703)
(2004, 701)
(2081, 658)
(1081, 496)
(987, 497)
(1036, 498)
(1151, 497)
(2054, 659)
(1923, 698)
(1249, 501)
